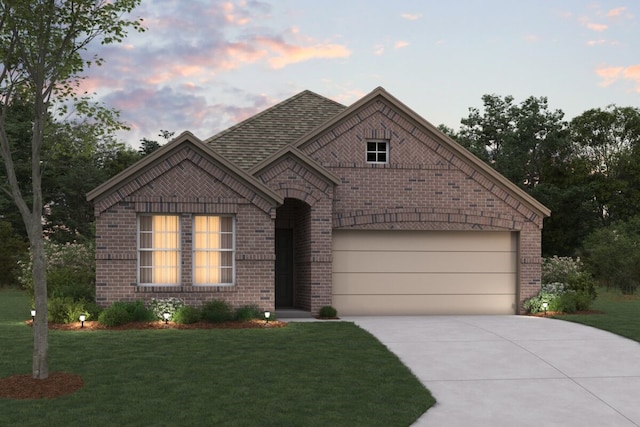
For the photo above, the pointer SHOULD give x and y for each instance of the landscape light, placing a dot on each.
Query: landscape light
(33, 315)
(82, 319)
(545, 305)
(166, 318)
(267, 315)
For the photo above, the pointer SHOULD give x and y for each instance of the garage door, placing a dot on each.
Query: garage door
(409, 272)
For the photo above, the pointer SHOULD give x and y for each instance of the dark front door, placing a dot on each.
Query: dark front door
(284, 267)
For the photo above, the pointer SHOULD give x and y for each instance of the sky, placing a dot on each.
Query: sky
(204, 66)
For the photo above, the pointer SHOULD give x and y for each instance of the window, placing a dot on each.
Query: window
(377, 152)
(159, 249)
(213, 250)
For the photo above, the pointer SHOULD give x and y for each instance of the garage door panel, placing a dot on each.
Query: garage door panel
(440, 241)
(424, 272)
(417, 283)
(435, 262)
(361, 305)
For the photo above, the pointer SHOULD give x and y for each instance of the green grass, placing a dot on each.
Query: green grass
(306, 374)
(621, 314)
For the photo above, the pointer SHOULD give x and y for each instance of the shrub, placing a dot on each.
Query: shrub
(186, 315)
(124, 312)
(167, 305)
(70, 271)
(217, 311)
(328, 312)
(67, 310)
(612, 255)
(12, 250)
(248, 312)
(571, 273)
(115, 315)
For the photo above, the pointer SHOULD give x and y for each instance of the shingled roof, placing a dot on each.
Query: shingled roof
(254, 139)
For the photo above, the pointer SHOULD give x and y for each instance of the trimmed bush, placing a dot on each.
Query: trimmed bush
(248, 312)
(124, 312)
(115, 315)
(186, 315)
(328, 312)
(217, 311)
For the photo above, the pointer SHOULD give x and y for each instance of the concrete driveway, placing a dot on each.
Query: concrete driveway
(516, 370)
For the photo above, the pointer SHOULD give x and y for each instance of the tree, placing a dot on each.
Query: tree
(608, 143)
(78, 160)
(526, 142)
(148, 146)
(42, 43)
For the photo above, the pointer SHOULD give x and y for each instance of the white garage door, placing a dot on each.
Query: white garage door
(424, 272)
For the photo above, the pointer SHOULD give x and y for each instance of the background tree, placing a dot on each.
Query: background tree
(42, 43)
(78, 160)
(608, 145)
(148, 146)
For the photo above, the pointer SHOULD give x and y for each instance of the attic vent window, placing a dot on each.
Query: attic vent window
(378, 152)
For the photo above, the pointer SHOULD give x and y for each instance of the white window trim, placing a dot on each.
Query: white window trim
(140, 250)
(377, 152)
(233, 252)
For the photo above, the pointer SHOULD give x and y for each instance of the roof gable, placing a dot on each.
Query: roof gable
(130, 174)
(256, 138)
(464, 158)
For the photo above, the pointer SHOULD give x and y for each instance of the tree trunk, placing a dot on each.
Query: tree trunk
(40, 368)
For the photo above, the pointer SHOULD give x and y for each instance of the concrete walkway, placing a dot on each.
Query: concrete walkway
(509, 371)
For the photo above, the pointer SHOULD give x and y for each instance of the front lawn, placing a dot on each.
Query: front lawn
(621, 314)
(306, 374)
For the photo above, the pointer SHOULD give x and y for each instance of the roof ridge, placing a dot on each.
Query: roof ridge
(268, 110)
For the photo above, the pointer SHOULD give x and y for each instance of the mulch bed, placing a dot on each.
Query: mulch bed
(64, 383)
(561, 313)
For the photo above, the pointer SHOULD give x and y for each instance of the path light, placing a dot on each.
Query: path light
(545, 305)
(82, 319)
(166, 318)
(33, 315)
(267, 315)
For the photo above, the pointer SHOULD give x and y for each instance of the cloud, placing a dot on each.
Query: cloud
(596, 42)
(597, 27)
(611, 75)
(532, 38)
(282, 53)
(411, 16)
(614, 13)
(378, 49)
(400, 44)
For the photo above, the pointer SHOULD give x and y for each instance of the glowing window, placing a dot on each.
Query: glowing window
(213, 250)
(159, 249)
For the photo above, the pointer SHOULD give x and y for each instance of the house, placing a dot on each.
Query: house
(368, 208)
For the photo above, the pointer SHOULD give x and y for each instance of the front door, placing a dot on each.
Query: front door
(284, 267)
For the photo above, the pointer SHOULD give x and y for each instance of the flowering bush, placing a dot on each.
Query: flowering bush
(566, 287)
(159, 306)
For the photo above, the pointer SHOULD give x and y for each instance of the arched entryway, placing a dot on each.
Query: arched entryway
(293, 255)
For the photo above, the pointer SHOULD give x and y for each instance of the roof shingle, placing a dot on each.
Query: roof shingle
(254, 139)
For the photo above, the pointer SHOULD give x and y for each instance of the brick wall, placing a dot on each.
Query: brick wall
(425, 186)
(185, 183)
(311, 221)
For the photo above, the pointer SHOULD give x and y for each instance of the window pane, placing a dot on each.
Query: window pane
(211, 235)
(371, 146)
(159, 249)
(382, 157)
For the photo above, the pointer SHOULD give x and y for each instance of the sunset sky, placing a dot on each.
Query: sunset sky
(205, 65)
